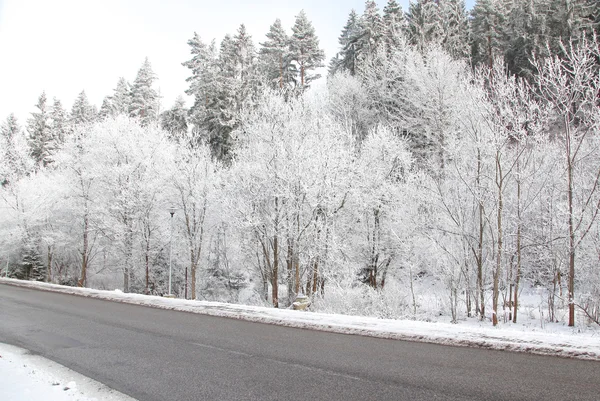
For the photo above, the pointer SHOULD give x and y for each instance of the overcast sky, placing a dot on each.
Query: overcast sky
(66, 46)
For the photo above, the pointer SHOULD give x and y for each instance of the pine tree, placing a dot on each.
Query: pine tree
(200, 64)
(346, 59)
(223, 105)
(82, 111)
(31, 266)
(394, 25)
(526, 32)
(118, 103)
(121, 98)
(105, 109)
(40, 139)
(275, 58)
(424, 23)
(371, 31)
(9, 130)
(489, 41)
(58, 122)
(174, 121)
(144, 99)
(244, 58)
(304, 49)
(454, 28)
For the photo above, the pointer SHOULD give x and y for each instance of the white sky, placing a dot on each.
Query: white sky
(66, 46)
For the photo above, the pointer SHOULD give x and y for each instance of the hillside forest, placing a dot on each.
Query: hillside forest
(449, 160)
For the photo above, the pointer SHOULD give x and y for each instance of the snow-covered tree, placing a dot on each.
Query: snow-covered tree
(346, 59)
(40, 140)
(82, 111)
(174, 120)
(305, 51)
(58, 122)
(275, 58)
(570, 85)
(144, 98)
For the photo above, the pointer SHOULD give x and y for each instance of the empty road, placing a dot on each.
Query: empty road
(153, 354)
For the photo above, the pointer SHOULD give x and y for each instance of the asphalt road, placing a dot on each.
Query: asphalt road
(153, 354)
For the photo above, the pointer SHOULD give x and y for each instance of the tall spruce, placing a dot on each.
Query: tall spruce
(371, 31)
(174, 120)
(423, 23)
(394, 25)
(488, 24)
(346, 58)
(119, 102)
(40, 139)
(274, 57)
(121, 98)
(304, 50)
(82, 111)
(527, 36)
(11, 168)
(203, 82)
(454, 28)
(144, 99)
(58, 122)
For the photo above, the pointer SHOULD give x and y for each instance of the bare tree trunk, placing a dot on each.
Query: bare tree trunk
(289, 264)
(571, 283)
(275, 277)
(495, 293)
(275, 271)
(147, 261)
(128, 256)
(84, 252)
(280, 70)
(479, 257)
(519, 224)
(49, 266)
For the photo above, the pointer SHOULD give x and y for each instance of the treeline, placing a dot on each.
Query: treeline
(432, 155)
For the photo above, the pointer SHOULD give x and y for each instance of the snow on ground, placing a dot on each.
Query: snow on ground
(552, 339)
(26, 377)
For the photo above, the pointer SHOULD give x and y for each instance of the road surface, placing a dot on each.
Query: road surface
(154, 354)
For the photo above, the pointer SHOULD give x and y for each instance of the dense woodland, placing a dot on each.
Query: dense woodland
(450, 149)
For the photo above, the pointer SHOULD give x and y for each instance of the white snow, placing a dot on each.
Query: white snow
(26, 377)
(552, 339)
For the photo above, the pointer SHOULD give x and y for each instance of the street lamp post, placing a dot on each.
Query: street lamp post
(172, 212)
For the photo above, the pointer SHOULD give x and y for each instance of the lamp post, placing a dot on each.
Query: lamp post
(172, 212)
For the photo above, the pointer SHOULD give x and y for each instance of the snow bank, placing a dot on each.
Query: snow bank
(553, 340)
(26, 377)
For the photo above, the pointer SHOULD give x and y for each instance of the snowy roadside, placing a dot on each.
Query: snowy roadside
(26, 377)
(556, 340)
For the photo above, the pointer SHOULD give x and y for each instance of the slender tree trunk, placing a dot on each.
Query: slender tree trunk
(479, 258)
(519, 225)
(128, 256)
(275, 274)
(193, 264)
(289, 264)
(84, 252)
(49, 267)
(499, 184)
(280, 70)
(571, 284)
(147, 262)
(275, 277)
